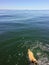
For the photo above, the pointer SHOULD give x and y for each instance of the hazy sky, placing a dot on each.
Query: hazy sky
(25, 4)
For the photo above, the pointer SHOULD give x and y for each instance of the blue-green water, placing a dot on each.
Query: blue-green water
(20, 30)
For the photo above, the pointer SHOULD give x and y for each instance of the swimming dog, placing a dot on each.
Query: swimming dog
(31, 57)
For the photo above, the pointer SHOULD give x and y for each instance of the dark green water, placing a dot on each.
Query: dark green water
(20, 30)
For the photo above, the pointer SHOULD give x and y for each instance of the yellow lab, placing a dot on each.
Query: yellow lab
(31, 56)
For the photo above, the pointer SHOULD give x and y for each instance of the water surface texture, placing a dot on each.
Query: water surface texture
(20, 30)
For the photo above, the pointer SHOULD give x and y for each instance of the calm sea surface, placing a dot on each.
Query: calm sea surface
(20, 30)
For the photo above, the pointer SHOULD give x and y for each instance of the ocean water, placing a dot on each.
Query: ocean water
(20, 30)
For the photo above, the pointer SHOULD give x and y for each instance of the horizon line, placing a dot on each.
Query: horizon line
(24, 9)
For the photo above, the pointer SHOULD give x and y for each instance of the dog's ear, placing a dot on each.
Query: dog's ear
(36, 62)
(32, 62)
